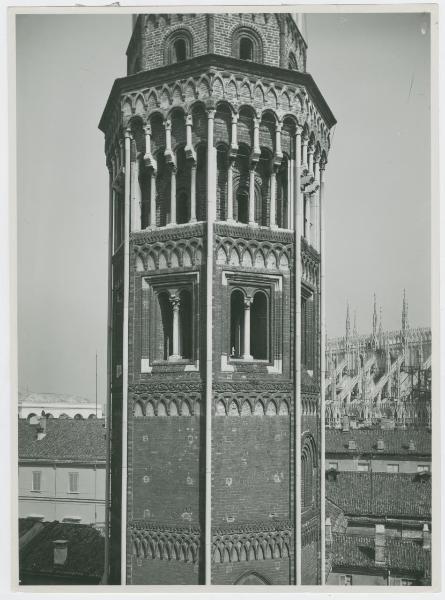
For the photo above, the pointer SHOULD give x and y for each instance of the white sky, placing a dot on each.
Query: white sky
(373, 71)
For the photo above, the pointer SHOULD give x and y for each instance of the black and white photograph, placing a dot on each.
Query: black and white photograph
(226, 362)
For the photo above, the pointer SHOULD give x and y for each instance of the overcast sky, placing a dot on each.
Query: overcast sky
(373, 71)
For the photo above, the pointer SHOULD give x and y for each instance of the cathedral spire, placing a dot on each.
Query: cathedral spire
(348, 322)
(405, 325)
(381, 322)
(374, 319)
(354, 331)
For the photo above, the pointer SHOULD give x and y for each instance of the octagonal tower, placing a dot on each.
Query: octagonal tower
(216, 144)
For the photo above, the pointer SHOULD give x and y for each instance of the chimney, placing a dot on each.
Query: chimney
(60, 551)
(380, 544)
(328, 531)
(345, 426)
(380, 444)
(426, 537)
(352, 445)
(41, 428)
(411, 445)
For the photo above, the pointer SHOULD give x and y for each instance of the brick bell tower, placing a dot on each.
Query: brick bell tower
(216, 144)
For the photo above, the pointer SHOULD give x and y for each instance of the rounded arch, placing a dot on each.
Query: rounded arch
(252, 578)
(78, 417)
(178, 46)
(292, 61)
(237, 298)
(309, 463)
(247, 44)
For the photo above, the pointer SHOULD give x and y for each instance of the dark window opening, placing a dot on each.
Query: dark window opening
(246, 49)
(185, 325)
(119, 220)
(179, 50)
(307, 476)
(282, 196)
(259, 329)
(236, 324)
(182, 207)
(166, 326)
(242, 200)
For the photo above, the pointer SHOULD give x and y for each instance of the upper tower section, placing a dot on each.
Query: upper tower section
(267, 38)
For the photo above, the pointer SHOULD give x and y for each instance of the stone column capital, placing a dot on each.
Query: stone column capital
(147, 129)
(168, 124)
(189, 120)
(247, 302)
(211, 113)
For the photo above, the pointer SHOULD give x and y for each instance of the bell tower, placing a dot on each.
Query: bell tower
(216, 144)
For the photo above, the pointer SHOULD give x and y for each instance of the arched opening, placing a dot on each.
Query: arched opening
(78, 417)
(165, 325)
(32, 419)
(162, 189)
(306, 216)
(221, 182)
(185, 325)
(201, 182)
(251, 579)
(179, 50)
(282, 194)
(292, 62)
(183, 207)
(63, 416)
(236, 324)
(242, 206)
(259, 327)
(308, 466)
(91, 417)
(246, 48)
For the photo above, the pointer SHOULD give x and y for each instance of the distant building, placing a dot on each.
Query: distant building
(401, 501)
(366, 547)
(60, 554)
(379, 451)
(57, 406)
(62, 470)
(382, 379)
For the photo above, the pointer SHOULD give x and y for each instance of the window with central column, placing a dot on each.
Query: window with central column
(170, 317)
(249, 325)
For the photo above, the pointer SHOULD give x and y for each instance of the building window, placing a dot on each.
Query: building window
(249, 325)
(247, 44)
(178, 47)
(292, 63)
(37, 481)
(308, 467)
(345, 579)
(119, 220)
(179, 50)
(246, 49)
(423, 468)
(392, 468)
(333, 465)
(363, 466)
(73, 479)
(242, 203)
(259, 327)
(174, 325)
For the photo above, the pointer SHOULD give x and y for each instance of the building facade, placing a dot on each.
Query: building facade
(216, 144)
(57, 406)
(382, 379)
(62, 467)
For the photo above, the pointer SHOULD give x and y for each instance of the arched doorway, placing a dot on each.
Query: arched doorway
(252, 579)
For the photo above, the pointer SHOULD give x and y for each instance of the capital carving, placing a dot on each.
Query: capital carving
(247, 302)
(167, 125)
(174, 299)
(147, 129)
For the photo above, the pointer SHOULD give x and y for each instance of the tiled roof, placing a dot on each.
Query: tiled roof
(25, 525)
(40, 399)
(381, 494)
(337, 516)
(396, 441)
(66, 439)
(85, 551)
(358, 552)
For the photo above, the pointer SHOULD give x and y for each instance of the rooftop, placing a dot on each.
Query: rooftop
(85, 555)
(358, 552)
(65, 439)
(392, 495)
(396, 441)
(42, 399)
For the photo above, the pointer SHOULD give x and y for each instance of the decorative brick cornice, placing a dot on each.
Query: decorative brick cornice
(164, 542)
(165, 234)
(252, 541)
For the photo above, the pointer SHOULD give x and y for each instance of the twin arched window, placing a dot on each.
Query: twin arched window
(249, 340)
